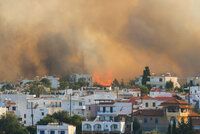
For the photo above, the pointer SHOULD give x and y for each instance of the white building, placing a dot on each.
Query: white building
(105, 121)
(108, 110)
(194, 96)
(128, 93)
(96, 127)
(157, 92)
(194, 81)
(55, 128)
(29, 109)
(75, 105)
(38, 108)
(159, 81)
(91, 99)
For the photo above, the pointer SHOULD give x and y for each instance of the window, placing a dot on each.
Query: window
(156, 120)
(42, 132)
(80, 103)
(24, 122)
(160, 79)
(42, 113)
(104, 109)
(145, 120)
(154, 104)
(111, 118)
(115, 126)
(146, 104)
(24, 115)
(61, 132)
(13, 108)
(52, 132)
(89, 108)
(56, 104)
(111, 109)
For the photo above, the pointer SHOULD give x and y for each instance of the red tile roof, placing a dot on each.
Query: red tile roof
(165, 98)
(149, 112)
(174, 102)
(133, 100)
(193, 114)
(146, 97)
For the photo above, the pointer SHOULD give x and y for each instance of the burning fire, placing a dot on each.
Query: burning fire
(103, 79)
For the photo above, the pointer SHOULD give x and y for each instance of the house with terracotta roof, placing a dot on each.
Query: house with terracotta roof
(177, 109)
(145, 102)
(152, 119)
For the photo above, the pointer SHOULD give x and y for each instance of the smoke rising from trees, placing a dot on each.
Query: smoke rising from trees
(112, 37)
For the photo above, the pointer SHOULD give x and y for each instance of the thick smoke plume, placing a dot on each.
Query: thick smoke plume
(112, 38)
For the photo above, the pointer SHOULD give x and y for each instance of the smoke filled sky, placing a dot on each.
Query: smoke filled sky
(114, 38)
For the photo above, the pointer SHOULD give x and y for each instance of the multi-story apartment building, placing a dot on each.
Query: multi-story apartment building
(38, 108)
(106, 122)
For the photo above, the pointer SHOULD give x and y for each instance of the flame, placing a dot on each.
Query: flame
(103, 79)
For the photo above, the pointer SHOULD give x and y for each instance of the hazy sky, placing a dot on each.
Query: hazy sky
(110, 38)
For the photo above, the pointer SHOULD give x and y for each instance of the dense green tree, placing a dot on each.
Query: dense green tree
(131, 83)
(9, 124)
(182, 127)
(37, 88)
(115, 83)
(136, 125)
(122, 84)
(180, 90)
(144, 90)
(145, 76)
(46, 82)
(185, 127)
(169, 130)
(174, 129)
(169, 85)
(8, 86)
(47, 119)
(82, 83)
(63, 84)
(61, 116)
(32, 129)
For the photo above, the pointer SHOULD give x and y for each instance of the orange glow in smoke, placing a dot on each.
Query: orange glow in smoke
(103, 79)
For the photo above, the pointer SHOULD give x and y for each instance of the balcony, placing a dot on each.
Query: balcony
(80, 107)
(97, 126)
(105, 113)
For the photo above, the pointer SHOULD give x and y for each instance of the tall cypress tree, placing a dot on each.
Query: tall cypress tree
(146, 74)
(174, 131)
(169, 131)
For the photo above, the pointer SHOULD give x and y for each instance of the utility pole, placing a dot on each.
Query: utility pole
(189, 94)
(132, 118)
(32, 112)
(70, 104)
